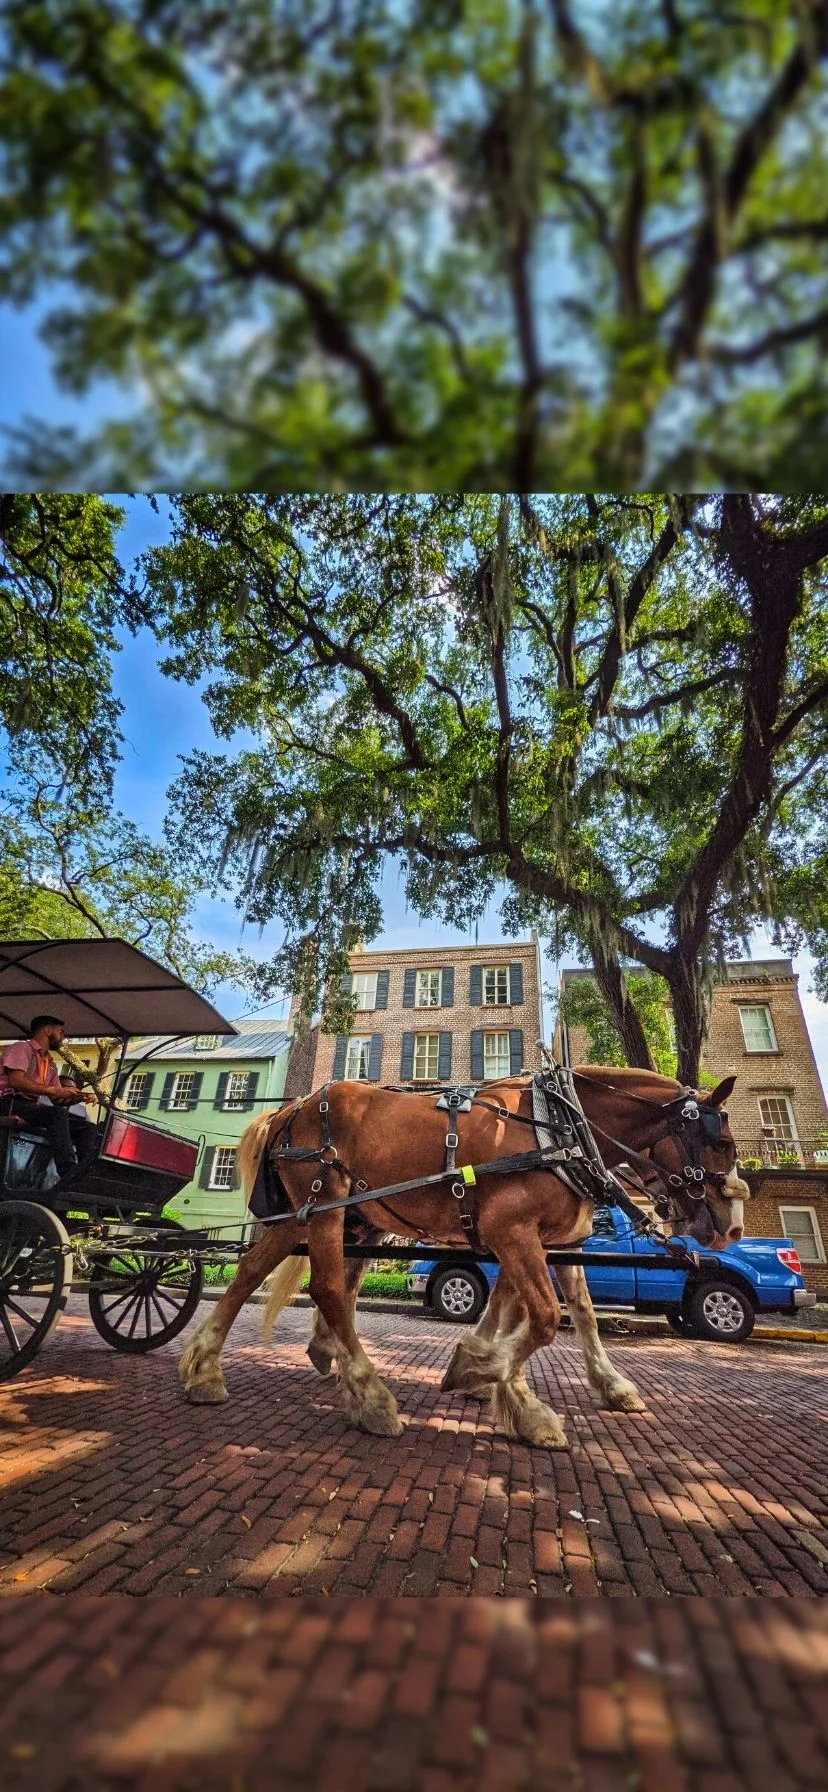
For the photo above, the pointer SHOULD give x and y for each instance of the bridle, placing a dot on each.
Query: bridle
(693, 1123)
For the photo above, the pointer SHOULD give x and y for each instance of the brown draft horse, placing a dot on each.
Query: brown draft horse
(389, 1135)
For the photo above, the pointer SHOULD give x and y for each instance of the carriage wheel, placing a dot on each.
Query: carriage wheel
(35, 1280)
(139, 1301)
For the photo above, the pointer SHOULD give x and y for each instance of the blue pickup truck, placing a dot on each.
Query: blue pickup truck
(718, 1301)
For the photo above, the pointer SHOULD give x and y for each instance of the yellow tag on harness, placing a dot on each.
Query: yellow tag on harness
(468, 1174)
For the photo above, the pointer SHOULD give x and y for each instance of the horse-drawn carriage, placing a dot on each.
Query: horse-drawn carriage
(144, 1275)
(524, 1177)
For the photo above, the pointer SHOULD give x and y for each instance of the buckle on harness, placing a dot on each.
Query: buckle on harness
(328, 1161)
(452, 1141)
(323, 1107)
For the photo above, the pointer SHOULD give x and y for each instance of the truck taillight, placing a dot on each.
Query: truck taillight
(790, 1258)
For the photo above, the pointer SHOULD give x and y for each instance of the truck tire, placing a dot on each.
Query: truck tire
(721, 1312)
(458, 1295)
(679, 1322)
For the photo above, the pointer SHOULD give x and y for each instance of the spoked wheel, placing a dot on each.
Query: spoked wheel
(35, 1280)
(139, 1300)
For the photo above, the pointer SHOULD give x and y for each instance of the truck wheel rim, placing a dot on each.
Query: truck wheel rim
(457, 1295)
(723, 1311)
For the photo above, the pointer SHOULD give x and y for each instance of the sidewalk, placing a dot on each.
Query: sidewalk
(697, 1695)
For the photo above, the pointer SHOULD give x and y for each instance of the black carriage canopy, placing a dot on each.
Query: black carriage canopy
(98, 988)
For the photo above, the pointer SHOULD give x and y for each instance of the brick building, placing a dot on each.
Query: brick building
(461, 1014)
(777, 1111)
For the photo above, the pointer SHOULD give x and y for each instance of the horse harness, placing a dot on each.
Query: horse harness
(566, 1146)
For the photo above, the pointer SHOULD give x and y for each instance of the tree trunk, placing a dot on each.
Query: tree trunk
(687, 995)
(625, 1019)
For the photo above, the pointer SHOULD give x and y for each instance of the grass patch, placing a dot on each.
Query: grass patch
(381, 1285)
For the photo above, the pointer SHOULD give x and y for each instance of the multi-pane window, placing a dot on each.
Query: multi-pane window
(358, 1058)
(428, 989)
(205, 1042)
(426, 1057)
(137, 1089)
(223, 1172)
(757, 1028)
(801, 1226)
(496, 1055)
(364, 987)
(496, 986)
(776, 1111)
(181, 1091)
(235, 1094)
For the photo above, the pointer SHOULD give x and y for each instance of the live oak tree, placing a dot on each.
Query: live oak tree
(525, 244)
(610, 712)
(581, 1005)
(62, 594)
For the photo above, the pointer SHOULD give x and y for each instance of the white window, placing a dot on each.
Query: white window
(757, 1028)
(358, 1058)
(801, 1226)
(364, 987)
(223, 1171)
(496, 986)
(137, 1089)
(426, 1057)
(496, 1055)
(205, 1042)
(238, 1083)
(428, 989)
(181, 1091)
(776, 1112)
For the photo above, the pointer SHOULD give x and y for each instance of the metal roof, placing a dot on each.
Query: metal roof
(98, 988)
(251, 1040)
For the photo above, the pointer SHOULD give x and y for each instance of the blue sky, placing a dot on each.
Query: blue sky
(163, 720)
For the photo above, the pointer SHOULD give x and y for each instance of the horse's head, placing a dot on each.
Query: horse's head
(695, 1153)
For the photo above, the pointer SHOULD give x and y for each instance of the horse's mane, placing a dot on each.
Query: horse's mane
(628, 1078)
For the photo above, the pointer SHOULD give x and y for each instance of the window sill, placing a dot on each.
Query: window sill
(764, 1051)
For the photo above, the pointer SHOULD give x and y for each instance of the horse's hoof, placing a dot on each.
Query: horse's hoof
(625, 1398)
(322, 1362)
(382, 1424)
(207, 1393)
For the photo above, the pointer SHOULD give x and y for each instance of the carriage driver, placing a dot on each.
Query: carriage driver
(29, 1075)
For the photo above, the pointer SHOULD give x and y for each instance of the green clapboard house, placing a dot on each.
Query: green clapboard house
(208, 1088)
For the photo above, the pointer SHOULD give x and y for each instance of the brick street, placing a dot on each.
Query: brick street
(433, 1695)
(110, 1482)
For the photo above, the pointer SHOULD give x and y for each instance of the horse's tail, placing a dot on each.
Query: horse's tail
(280, 1288)
(253, 1141)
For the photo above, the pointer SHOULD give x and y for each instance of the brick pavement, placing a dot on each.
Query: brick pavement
(109, 1482)
(365, 1695)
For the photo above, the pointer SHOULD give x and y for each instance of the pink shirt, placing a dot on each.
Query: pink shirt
(27, 1056)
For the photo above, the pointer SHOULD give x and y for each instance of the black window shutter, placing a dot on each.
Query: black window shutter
(221, 1089)
(409, 987)
(207, 1166)
(166, 1092)
(250, 1094)
(477, 1054)
(339, 1057)
(198, 1079)
(476, 989)
(516, 983)
(236, 1176)
(375, 1059)
(444, 1057)
(515, 1051)
(347, 984)
(407, 1058)
(382, 989)
(447, 986)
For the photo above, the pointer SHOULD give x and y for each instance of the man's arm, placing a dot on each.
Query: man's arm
(26, 1085)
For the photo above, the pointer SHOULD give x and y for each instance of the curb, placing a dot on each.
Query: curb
(795, 1337)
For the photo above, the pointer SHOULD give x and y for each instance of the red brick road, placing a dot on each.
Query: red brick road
(109, 1482)
(365, 1695)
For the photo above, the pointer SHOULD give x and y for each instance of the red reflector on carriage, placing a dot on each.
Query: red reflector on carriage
(129, 1141)
(790, 1258)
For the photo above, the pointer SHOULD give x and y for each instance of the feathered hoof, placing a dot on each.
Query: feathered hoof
(624, 1397)
(321, 1359)
(373, 1408)
(466, 1378)
(207, 1393)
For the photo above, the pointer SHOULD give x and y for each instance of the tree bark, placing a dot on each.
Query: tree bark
(689, 1003)
(612, 984)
